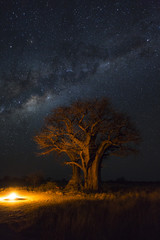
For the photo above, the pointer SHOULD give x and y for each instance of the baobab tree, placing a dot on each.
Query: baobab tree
(45, 141)
(88, 131)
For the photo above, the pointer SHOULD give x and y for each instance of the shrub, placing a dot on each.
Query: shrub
(49, 186)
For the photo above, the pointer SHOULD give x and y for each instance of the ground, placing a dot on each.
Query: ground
(126, 214)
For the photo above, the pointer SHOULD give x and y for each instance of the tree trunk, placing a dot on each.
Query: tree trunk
(75, 181)
(76, 176)
(92, 180)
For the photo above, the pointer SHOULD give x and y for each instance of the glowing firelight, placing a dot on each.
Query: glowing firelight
(12, 197)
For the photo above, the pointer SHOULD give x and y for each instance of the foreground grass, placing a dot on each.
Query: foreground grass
(107, 216)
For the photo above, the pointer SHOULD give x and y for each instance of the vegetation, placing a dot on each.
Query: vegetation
(87, 132)
(130, 211)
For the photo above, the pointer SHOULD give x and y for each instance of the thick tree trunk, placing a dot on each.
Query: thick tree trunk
(75, 181)
(76, 176)
(93, 177)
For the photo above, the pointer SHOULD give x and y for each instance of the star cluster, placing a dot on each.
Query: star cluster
(55, 52)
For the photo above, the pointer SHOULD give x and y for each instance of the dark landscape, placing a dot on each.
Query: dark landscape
(79, 119)
(127, 210)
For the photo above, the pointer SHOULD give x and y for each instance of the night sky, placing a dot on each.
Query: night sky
(55, 52)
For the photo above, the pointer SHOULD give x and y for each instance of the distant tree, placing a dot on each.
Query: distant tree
(88, 132)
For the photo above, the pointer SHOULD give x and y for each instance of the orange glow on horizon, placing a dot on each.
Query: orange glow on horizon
(13, 197)
(20, 196)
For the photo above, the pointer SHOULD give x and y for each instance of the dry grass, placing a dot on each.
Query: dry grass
(133, 214)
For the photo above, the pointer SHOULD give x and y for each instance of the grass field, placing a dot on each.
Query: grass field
(122, 212)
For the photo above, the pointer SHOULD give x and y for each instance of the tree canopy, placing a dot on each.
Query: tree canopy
(87, 131)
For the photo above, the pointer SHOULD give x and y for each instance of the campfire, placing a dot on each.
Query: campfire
(12, 197)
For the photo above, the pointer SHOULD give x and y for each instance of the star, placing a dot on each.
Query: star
(52, 54)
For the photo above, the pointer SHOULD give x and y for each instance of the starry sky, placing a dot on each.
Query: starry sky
(55, 52)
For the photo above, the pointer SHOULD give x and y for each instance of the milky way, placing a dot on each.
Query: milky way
(55, 52)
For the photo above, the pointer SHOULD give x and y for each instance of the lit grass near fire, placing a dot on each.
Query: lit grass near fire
(13, 197)
(16, 196)
(67, 215)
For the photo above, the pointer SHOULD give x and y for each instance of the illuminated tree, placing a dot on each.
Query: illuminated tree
(88, 132)
(50, 140)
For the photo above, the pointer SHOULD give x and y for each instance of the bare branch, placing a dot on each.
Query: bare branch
(74, 163)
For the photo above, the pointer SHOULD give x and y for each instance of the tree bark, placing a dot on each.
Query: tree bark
(75, 181)
(92, 180)
(76, 176)
(93, 177)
